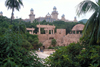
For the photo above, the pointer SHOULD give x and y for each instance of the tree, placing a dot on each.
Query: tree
(65, 56)
(91, 32)
(53, 42)
(13, 4)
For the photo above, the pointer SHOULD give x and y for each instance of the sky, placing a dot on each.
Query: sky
(42, 7)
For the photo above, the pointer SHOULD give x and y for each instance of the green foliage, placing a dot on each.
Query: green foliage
(26, 44)
(14, 53)
(13, 4)
(89, 57)
(33, 40)
(56, 47)
(91, 32)
(53, 42)
(15, 47)
(39, 45)
(65, 56)
(75, 55)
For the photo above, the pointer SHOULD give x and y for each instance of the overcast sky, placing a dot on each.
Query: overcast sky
(42, 7)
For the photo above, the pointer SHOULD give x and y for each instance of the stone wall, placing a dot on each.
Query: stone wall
(42, 37)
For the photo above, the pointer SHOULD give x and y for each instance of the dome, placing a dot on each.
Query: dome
(31, 9)
(78, 27)
(63, 15)
(75, 17)
(1, 12)
(54, 7)
(48, 14)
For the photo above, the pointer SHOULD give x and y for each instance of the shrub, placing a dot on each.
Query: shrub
(65, 56)
(53, 42)
(13, 54)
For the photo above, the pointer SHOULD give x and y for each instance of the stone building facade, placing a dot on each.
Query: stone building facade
(49, 17)
(60, 35)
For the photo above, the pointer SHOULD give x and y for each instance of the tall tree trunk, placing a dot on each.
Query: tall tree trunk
(12, 14)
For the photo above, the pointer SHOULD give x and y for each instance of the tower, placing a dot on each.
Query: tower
(1, 13)
(63, 17)
(48, 18)
(32, 15)
(75, 20)
(54, 13)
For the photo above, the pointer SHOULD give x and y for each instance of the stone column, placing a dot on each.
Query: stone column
(47, 31)
(75, 32)
(79, 32)
(39, 31)
(53, 31)
(32, 31)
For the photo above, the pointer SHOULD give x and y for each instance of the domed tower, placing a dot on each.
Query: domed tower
(48, 18)
(1, 13)
(63, 17)
(75, 20)
(32, 15)
(54, 13)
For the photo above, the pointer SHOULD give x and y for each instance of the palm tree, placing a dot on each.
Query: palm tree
(91, 32)
(13, 4)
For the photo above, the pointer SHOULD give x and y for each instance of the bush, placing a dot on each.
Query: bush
(13, 54)
(53, 42)
(65, 56)
(27, 45)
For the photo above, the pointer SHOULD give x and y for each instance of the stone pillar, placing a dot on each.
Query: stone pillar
(79, 32)
(75, 32)
(39, 31)
(32, 32)
(53, 31)
(47, 31)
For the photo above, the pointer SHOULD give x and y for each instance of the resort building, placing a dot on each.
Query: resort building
(49, 17)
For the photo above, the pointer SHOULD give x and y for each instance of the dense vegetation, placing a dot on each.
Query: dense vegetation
(15, 45)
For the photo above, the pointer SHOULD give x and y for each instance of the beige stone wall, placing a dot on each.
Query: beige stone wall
(42, 37)
(61, 31)
(61, 38)
(70, 38)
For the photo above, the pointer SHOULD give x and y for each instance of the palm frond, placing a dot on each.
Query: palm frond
(13, 4)
(86, 6)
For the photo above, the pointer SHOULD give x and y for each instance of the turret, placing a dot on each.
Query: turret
(63, 17)
(48, 18)
(54, 13)
(75, 20)
(31, 11)
(32, 15)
